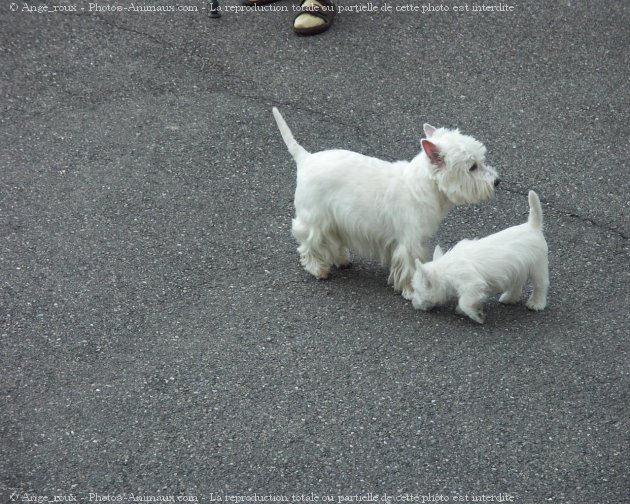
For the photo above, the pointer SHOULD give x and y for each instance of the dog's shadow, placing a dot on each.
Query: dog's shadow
(366, 282)
(498, 315)
(364, 276)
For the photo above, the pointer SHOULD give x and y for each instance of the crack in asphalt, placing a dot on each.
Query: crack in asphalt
(568, 213)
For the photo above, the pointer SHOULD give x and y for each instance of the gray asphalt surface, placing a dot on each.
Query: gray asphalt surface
(158, 336)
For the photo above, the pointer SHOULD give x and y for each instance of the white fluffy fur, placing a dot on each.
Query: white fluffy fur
(473, 270)
(382, 210)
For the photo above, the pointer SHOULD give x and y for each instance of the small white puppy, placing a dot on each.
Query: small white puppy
(382, 210)
(473, 270)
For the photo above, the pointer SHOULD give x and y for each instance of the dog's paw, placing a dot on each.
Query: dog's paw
(475, 314)
(535, 306)
(323, 274)
(316, 268)
(407, 293)
(506, 298)
(478, 316)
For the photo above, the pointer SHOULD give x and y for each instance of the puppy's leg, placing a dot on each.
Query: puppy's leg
(313, 254)
(539, 275)
(472, 306)
(512, 295)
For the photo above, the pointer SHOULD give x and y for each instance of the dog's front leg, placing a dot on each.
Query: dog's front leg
(472, 306)
(401, 271)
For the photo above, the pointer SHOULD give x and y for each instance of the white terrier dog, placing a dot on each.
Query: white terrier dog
(475, 269)
(382, 210)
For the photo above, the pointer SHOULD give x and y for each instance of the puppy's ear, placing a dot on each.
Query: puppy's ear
(437, 253)
(429, 130)
(433, 152)
(426, 281)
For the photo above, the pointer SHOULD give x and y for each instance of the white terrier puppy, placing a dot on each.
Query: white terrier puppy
(476, 269)
(382, 210)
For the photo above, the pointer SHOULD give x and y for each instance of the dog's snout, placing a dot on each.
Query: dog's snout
(497, 181)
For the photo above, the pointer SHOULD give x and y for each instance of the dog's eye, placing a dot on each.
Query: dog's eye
(473, 167)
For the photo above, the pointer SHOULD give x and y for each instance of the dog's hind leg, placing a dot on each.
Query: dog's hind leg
(539, 275)
(342, 258)
(340, 254)
(314, 255)
(512, 295)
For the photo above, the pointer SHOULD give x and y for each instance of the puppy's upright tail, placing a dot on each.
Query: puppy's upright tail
(535, 211)
(295, 149)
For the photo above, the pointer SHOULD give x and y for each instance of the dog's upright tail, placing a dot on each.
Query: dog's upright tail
(535, 211)
(295, 149)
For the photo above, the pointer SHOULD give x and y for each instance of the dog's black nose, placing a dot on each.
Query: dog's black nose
(497, 181)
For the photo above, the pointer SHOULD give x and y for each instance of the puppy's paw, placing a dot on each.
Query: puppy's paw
(475, 314)
(507, 298)
(478, 316)
(536, 305)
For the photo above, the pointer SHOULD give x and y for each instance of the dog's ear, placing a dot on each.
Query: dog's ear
(433, 152)
(428, 130)
(437, 253)
(426, 280)
(418, 264)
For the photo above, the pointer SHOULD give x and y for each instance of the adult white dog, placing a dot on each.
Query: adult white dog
(379, 209)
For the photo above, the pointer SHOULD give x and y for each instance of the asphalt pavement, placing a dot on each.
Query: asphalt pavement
(158, 337)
